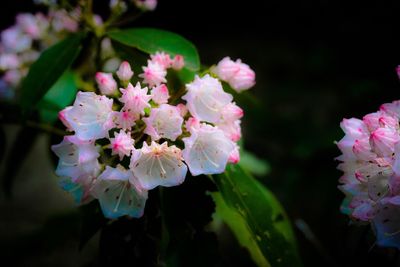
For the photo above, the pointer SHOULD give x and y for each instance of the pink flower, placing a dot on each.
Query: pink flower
(90, 116)
(135, 98)
(178, 62)
(125, 119)
(154, 74)
(393, 109)
(206, 98)
(13, 77)
(231, 112)
(146, 5)
(106, 83)
(239, 75)
(398, 71)
(125, 72)
(9, 61)
(33, 25)
(122, 144)
(182, 109)
(164, 122)
(383, 141)
(231, 129)
(62, 118)
(192, 124)
(158, 165)
(207, 150)
(14, 40)
(162, 59)
(160, 94)
(234, 157)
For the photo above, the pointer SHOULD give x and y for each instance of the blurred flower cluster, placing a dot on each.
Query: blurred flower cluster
(370, 162)
(130, 140)
(22, 43)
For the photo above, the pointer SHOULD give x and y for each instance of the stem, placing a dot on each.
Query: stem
(125, 20)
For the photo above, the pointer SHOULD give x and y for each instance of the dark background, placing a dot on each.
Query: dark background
(316, 63)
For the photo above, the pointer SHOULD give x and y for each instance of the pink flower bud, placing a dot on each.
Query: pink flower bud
(162, 59)
(125, 72)
(160, 94)
(239, 75)
(154, 74)
(182, 109)
(106, 83)
(61, 117)
(122, 144)
(135, 98)
(234, 157)
(178, 62)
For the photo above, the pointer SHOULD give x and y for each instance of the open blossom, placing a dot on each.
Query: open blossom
(158, 165)
(370, 162)
(122, 144)
(164, 122)
(160, 94)
(90, 116)
(119, 194)
(206, 98)
(125, 72)
(207, 150)
(239, 75)
(154, 73)
(135, 98)
(77, 158)
(106, 83)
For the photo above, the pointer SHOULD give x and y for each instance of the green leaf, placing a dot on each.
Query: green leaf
(253, 164)
(60, 95)
(51, 64)
(239, 227)
(151, 40)
(266, 221)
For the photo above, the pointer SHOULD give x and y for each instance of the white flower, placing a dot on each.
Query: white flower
(90, 116)
(157, 164)
(164, 122)
(206, 98)
(119, 194)
(207, 150)
(77, 158)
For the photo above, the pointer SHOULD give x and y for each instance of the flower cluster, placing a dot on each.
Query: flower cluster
(370, 162)
(22, 43)
(130, 140)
